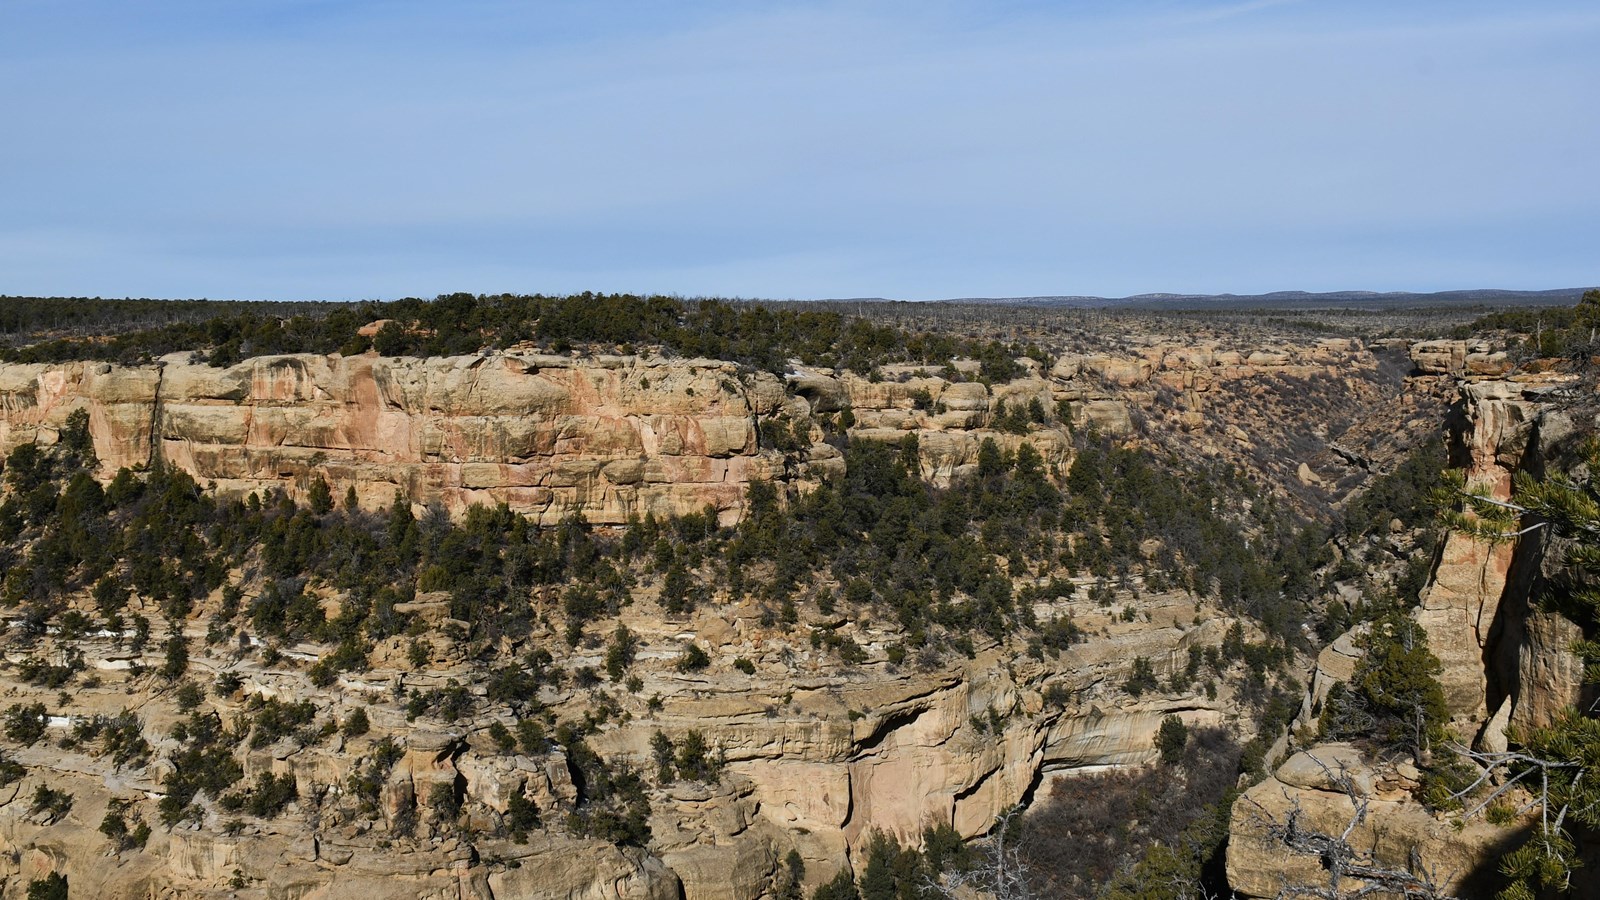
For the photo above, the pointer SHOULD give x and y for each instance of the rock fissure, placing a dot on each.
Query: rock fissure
(154, 456)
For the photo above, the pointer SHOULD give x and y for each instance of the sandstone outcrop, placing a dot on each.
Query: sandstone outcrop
(1321, 788)
(1460, 358)
(823, 757)
(818, 754)
(607, 437)
(1476, 609)
(1336, 663)
(279, 863)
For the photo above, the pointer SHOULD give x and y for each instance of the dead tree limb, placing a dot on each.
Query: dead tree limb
(1351, 873)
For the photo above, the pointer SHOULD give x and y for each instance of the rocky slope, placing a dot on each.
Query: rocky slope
(816, 756)
(1506, 663)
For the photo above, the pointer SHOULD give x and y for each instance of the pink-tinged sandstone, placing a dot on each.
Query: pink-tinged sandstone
(550, 436)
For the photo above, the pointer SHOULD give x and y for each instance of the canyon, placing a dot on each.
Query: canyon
(816, 756)
(1508, 666)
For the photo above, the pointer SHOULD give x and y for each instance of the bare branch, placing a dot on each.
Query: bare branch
(1002, 873)
(1351, 873)
(1492, 763)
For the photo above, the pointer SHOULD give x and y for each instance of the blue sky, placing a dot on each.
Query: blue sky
(317, 149)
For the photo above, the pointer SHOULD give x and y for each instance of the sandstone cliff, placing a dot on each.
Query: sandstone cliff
(614, 436)
(607, 437)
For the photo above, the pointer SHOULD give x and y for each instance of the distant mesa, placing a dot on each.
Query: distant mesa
(1298, 299)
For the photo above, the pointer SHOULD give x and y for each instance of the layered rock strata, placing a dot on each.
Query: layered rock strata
(818, 756)
(607, 437)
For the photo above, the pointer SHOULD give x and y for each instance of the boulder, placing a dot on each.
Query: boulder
(1313, 788)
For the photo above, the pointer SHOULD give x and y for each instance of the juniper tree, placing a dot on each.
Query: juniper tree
(1397, 680)
(1171, 739)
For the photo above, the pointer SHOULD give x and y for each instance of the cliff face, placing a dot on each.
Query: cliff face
(818, 755)
(610, 437)
(548, 436)
(818, 758)
(1507, 663)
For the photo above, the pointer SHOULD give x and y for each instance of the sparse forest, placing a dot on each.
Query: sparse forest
(763, 336)
(948, 566)
(872, 569)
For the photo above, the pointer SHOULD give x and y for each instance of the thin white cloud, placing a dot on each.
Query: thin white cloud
(1229, 11)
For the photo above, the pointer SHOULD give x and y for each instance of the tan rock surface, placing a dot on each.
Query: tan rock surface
(1549, 674)
(608, 437)
(1393, 829)
(818, 754)
(1462, 602)
(1460, 358)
